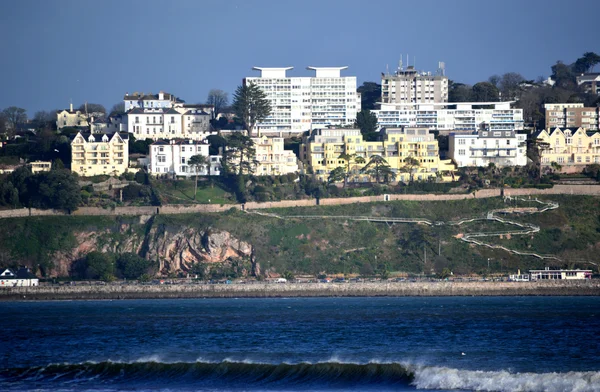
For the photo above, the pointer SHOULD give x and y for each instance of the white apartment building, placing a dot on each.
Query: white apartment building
(171, 157)
(303, 103)
(463, 116)
(502, 148)
(408, 86)
(149, 101)
(168, 123)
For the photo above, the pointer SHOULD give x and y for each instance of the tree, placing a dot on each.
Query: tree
(367, 122)
(459, 92)
(586, 63)
(563, 76)
(485, 92)
(133, 266)
(410, 164)
(117, 109)
(219, 99)
(197, 162)
(217, 144)
(56, 189)
(98, 265)
(348, 158)
(14, 116)
(336, 175)
(494, 79)
(509, 85)
(375, 167)
(44, 120)
(370, 93)
(93, 109)
(240, 154)
(251, 105)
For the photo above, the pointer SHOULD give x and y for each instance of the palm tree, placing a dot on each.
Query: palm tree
(336, 175)
(197, 162)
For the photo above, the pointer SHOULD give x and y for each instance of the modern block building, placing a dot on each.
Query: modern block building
(97, 154)
(171, 157)
(322, 148)
(590, 82)
(409, 86)
(303, 103)
(448, 117)
(569, 146)
(571, 115)
(502, 148)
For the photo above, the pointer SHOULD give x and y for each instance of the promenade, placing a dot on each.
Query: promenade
(274, 290)
(591, 190)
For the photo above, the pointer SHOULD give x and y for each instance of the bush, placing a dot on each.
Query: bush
(133, 266)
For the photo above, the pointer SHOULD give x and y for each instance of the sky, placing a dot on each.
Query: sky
(59, 51)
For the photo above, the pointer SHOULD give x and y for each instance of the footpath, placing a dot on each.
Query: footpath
(593, 190)
(273, 290)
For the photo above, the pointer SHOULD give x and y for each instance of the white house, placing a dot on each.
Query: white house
(502, 148)
(149, 101)
(22, 278)
(163, 123)
(171, 157)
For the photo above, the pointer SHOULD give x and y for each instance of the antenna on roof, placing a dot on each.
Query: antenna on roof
(400, 63)
(441, 68)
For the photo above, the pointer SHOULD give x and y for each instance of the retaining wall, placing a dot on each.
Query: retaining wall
(260, 290)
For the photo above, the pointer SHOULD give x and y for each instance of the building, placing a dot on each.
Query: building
(168, 123)
(303, 103)
(322, 148)
(161, 100)
(109, 125)
(502, 148)
(571, 115)
(589, 82)
(40, 166)
(569, 147)
(409, 86)
(22, 278)
(71, 118)
(452, 117)
(97, 154)
(548, 274)
(171, 157)
(272, 159)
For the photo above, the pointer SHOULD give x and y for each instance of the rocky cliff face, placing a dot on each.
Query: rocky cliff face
(177, 249)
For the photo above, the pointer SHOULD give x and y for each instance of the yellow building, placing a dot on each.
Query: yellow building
(569, 146)
(96, 154)
(322, 148)
(272, 159)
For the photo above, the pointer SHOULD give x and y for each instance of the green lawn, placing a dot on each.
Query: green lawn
(182, 192)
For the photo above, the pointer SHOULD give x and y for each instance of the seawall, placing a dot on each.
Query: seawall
(271, 290)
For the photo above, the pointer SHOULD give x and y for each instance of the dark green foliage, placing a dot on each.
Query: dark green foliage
(485, 92)
(96, 265)
(133, 266)
(139, 146)
(136, 192)
(251, 105)
(370, 94)
(367, 122)
(217, 144)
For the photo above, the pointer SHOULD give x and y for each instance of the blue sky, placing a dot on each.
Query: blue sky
(95, 51)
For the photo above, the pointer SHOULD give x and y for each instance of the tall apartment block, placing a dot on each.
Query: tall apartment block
(409, 86)
(299, 104)
(571, 115)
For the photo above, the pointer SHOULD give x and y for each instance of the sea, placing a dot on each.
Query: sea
(302, 344)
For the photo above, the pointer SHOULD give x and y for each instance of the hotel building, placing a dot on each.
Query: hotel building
(502, 148)
(571, 115)
(96, 154)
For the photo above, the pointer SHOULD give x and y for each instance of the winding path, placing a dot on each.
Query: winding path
(473, 238)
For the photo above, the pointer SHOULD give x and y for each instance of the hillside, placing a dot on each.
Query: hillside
(239, 244)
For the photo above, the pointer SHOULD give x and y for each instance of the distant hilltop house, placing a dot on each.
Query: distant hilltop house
(22, 278)
(181, 121)
(112, 124)
(36, 167)
(150, 101)
(71, 118)
(97, 154)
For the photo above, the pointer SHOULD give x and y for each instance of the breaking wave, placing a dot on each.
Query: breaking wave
(332, 373)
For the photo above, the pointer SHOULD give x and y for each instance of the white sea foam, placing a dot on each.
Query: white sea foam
(504, 381)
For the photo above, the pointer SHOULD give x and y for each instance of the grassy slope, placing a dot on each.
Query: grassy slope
(338, 246)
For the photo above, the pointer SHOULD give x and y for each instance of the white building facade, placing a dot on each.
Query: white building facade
(303, 103)
(272, 158)
(502, 148)
(171, 123)
(464, 116)
(149, 101)
(171, 157)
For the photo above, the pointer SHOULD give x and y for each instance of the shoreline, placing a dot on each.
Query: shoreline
(294, 290)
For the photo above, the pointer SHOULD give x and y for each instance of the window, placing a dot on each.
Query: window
(162, 158)
(508, 142)
(172, 119)
(461, 141)
(183, 160)
(461, 152)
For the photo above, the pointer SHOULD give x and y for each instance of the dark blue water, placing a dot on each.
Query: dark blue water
(377, 344)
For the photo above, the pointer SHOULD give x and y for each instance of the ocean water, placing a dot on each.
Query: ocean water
(303, 344)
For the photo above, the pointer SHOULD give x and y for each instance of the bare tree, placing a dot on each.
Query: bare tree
(13, 116)
(219, 99)
(509, 85)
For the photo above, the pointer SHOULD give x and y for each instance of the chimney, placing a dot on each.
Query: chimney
(71, 107)
(161, 95)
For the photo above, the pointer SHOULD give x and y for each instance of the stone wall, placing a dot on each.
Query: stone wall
(593, 190)
(259, 290)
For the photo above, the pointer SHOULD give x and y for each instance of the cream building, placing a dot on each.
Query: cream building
(40, 166)
(97, 154)
(569, 146)
(272, 159)
(71, 118)
(322, 148)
